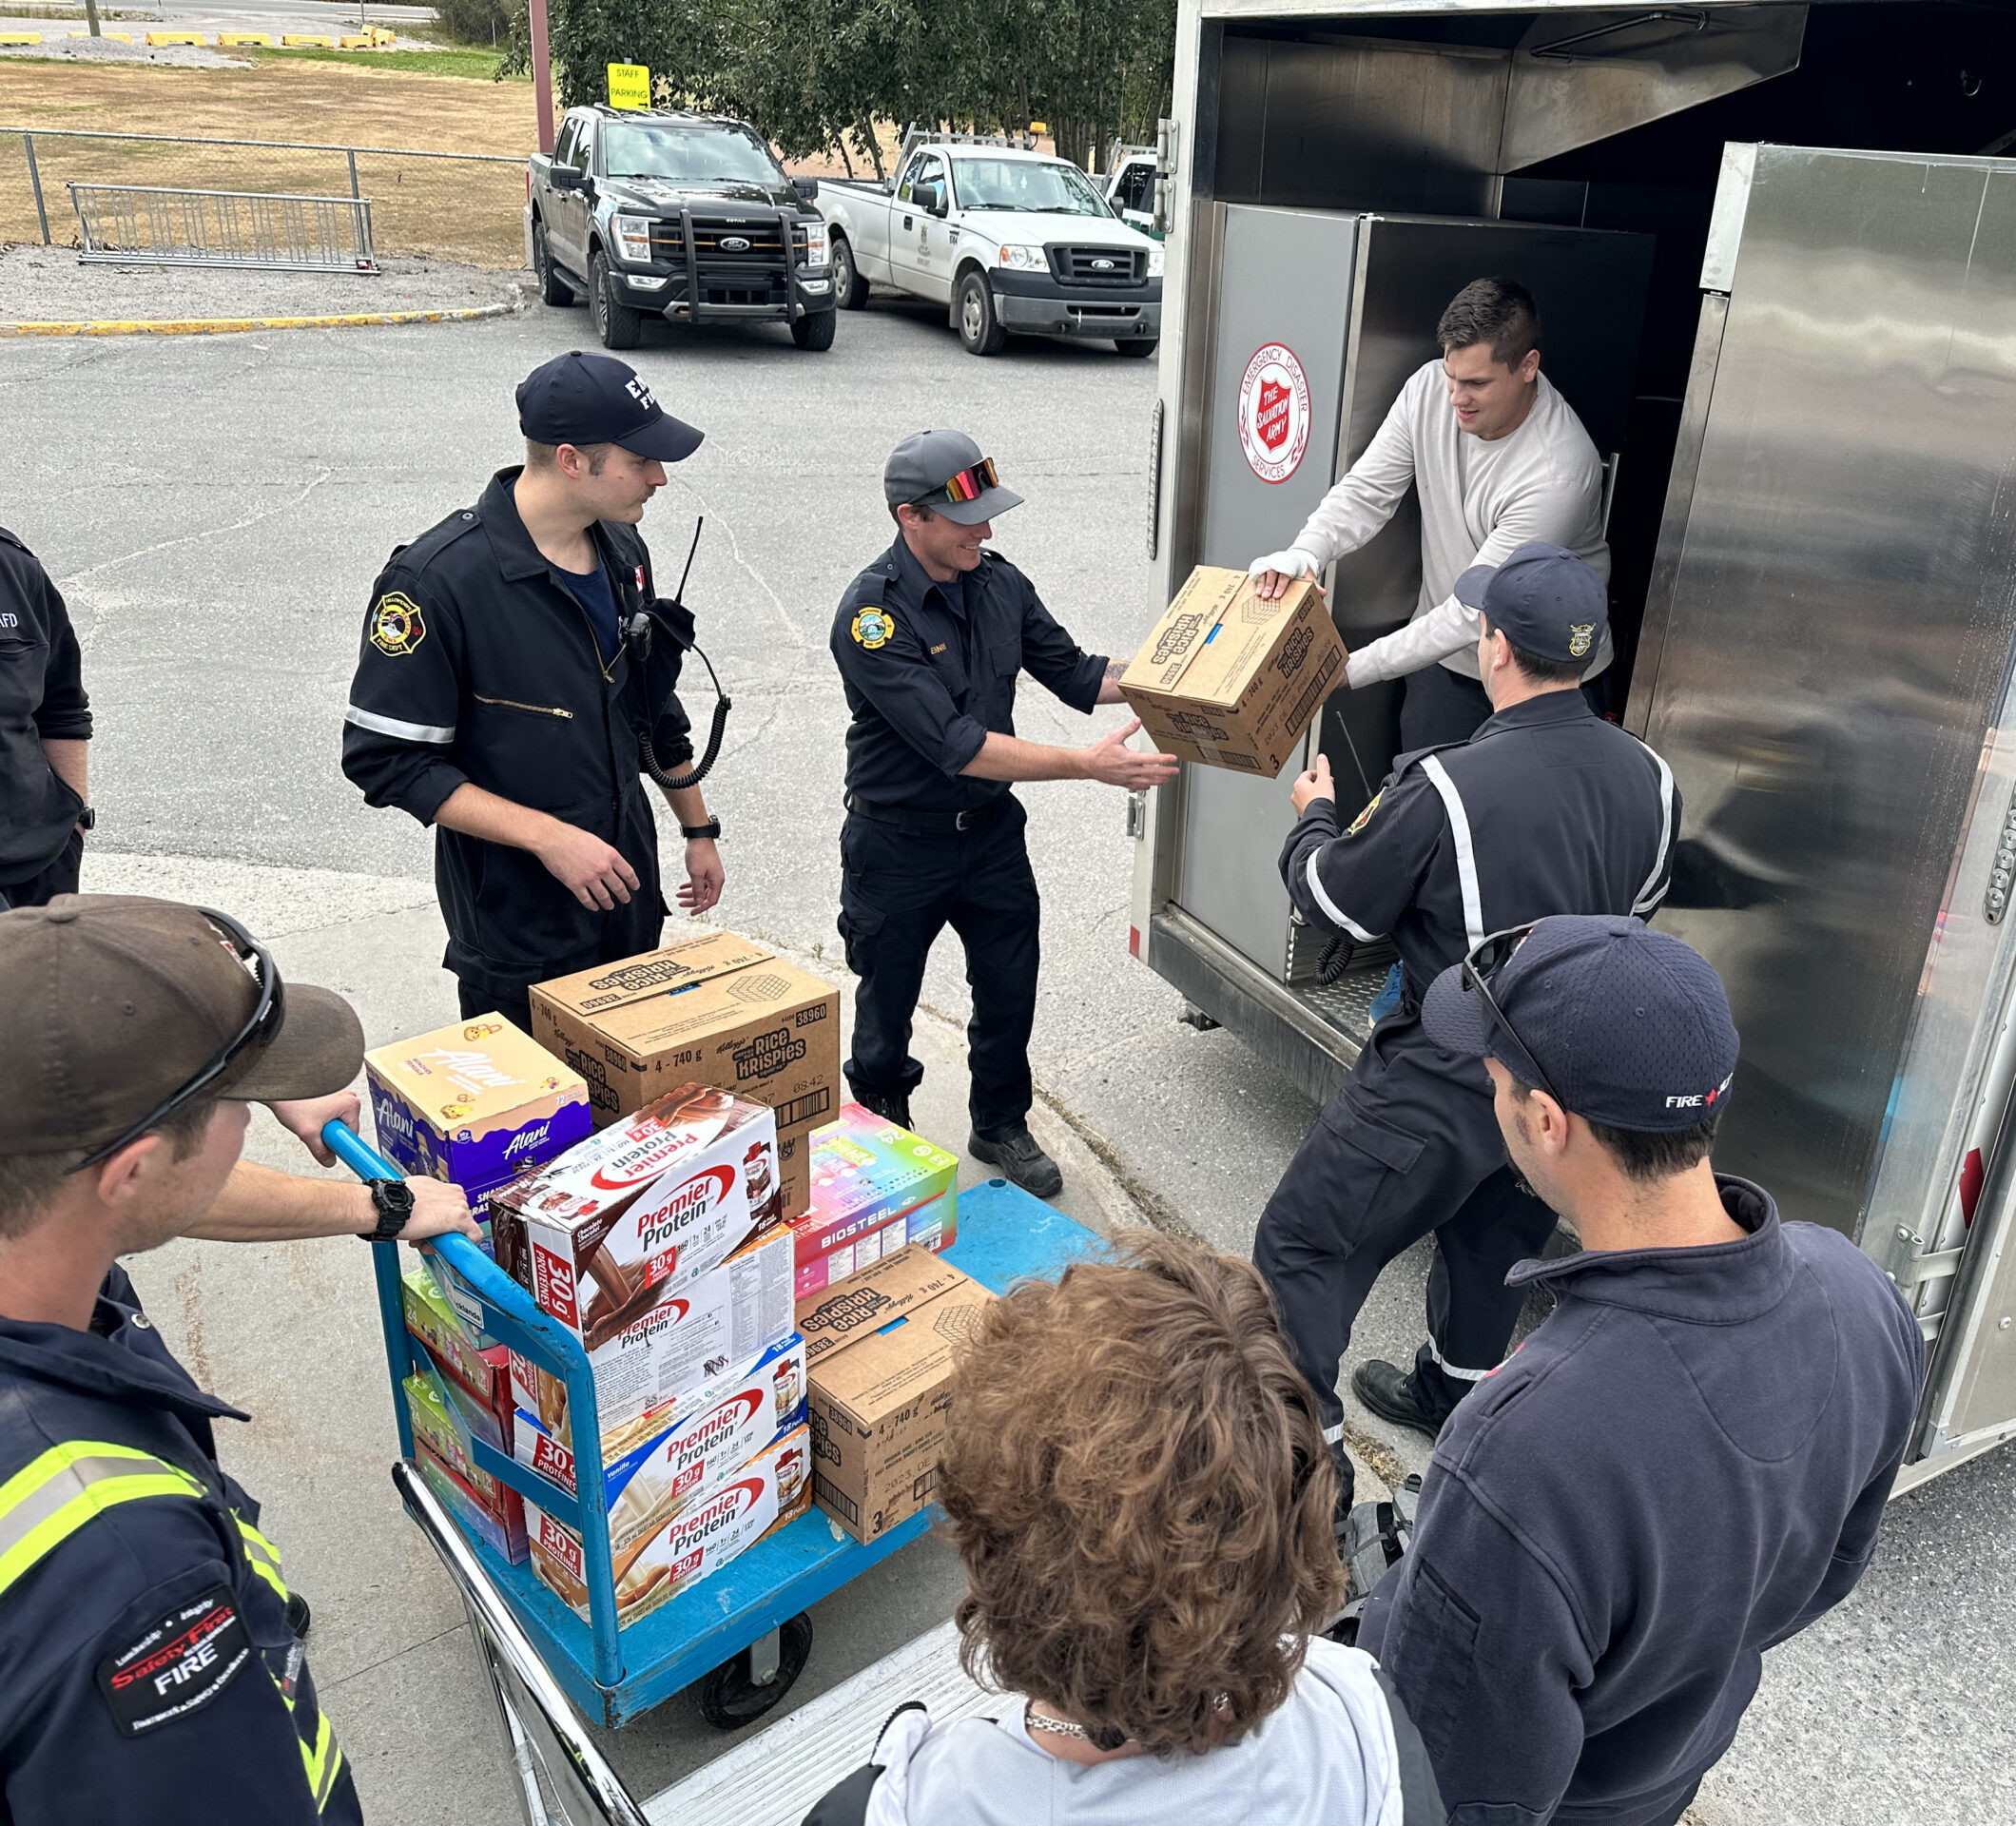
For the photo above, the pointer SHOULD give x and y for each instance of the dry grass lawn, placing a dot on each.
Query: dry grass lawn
(450, 211)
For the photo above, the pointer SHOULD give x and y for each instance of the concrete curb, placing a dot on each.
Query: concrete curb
(230, 326)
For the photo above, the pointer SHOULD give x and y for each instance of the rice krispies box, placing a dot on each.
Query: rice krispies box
(642, 1210)
(673, 1345)
(694, 1446)
(474, 1104)
(772, 1490)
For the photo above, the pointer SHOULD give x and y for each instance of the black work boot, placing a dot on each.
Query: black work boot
(892, 1106)
(1346, 1485)
(1389, 1391)
(1021, 1161)
(299, 1616)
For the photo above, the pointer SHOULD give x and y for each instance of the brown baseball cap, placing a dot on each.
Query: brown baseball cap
(110, 1004)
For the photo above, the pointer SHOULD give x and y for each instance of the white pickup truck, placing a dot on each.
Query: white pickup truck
(1008, 239)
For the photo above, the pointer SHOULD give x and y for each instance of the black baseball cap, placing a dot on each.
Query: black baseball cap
(1543, 599)
(1630, 1025)
(110, 1004)
(921, 466)
(580, 398)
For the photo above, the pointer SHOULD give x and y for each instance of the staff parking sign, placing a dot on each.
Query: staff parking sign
(629, 86)
(1273, 413)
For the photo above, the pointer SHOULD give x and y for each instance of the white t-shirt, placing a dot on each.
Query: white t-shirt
(1480, 502)
(1325, 1758)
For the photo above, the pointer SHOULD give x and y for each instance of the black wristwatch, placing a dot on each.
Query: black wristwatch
(393, 1201)
(87, 818)
(711, 828)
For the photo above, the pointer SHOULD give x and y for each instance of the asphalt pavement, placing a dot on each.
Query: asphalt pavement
(215, 509)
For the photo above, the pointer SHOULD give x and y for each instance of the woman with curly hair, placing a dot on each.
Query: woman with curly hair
(1142, 1498)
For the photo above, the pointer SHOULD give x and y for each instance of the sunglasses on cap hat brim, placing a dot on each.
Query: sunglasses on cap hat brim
(969, 484)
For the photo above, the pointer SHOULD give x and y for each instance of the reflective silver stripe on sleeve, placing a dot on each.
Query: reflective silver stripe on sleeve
(1448, 1368)
(1331, 911)
(1473, 900)
(1654, 889)
(405, 731)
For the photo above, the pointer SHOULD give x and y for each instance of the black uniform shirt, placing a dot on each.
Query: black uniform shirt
(930, 670)
(42, 699)
(479, 664)
(1546, 809)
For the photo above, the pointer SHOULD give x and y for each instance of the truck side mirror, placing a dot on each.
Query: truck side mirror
(806, 187)
(933, 198)
(562, 177)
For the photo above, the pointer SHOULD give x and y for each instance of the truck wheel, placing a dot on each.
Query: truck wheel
(553, 288)
(616, 323)
(848, 285)
(815, 331)
(980, 330)
(1141, 349)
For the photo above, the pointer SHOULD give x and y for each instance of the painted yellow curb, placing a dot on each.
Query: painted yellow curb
(226, 325)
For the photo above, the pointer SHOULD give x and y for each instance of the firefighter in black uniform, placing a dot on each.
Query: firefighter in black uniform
(45, 735)
(929, 639)
(1546, 809)
(505, 679)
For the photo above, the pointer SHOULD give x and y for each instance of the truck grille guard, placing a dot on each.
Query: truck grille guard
(759, 282)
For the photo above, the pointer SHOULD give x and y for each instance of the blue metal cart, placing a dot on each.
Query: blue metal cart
(729, 1624)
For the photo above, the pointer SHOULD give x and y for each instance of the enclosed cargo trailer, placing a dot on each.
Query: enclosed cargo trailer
(1774, 251)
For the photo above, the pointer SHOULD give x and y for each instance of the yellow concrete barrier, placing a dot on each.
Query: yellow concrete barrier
(307, 41)
(380, 36)
(260, 38)
(20, 37)
(227, 325)
(356, 41)
(174, 37)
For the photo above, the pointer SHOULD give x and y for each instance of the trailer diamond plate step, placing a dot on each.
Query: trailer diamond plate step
(773, 1779)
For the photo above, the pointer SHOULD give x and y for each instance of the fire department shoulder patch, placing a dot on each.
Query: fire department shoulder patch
(177, 1665)
(396, 625)
(873, 627)
(1364, 817)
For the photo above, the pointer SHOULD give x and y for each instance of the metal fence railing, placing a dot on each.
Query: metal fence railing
(461, 207)
(223, 229)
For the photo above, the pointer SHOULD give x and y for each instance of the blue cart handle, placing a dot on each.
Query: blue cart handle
(462, 1255)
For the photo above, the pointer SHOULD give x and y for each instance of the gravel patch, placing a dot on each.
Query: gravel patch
(52, 284)
(110, 50)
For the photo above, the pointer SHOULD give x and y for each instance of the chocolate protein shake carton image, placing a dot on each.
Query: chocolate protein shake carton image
(621, 1240)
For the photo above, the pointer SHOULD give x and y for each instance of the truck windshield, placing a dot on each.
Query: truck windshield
(710, 155)
(1022, 183)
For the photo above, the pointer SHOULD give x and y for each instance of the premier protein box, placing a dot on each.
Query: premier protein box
(774, 1489)
(675, 1346)
(698, 1445)
(473, 1104)
(641, 1211)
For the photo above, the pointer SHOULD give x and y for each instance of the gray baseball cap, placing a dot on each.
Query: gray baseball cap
(930, 468)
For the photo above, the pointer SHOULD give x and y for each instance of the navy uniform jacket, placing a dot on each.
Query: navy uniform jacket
(1546, 809)
(930, 670)
(42, 699)
(479, 664)
(1685, 1463)
(147, 1674)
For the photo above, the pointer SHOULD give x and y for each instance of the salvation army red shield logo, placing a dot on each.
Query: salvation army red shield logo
(1273, 413)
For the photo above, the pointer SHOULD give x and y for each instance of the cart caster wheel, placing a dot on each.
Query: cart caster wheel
(737, 1693)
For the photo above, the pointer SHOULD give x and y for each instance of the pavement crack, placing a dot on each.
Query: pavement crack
(359, 1673)
(792, 632)
(75, 578)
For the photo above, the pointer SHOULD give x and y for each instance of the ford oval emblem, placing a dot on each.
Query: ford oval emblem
(1102, 266)
(735, 243)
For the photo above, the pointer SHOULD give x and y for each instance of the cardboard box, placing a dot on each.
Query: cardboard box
(1232, 681)
(771, 1491)
(641, 1211)
(712, 1008)
(473, 1365)
(932, 1225)
(674, 1346)
(866, 1171)
(879, 1349)
(441, 1425)
(696, 1445)
(473, 1104)
(509, 1544)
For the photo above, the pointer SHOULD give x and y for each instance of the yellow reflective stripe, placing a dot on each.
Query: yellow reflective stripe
(48, 1500)
(252, 1534)
(261, 1554)
(322, 1761)
(271, 1577)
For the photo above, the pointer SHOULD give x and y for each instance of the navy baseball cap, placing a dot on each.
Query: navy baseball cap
(945, 471)
(584, 398)
(1630, 1025)
(1543, 599)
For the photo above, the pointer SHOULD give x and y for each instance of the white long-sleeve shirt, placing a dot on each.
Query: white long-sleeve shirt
(1480, 502)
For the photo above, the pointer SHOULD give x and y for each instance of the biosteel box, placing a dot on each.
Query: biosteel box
(674, 1346)
(697, 1445)
(633, 1215)
(473, 1104)
(867, 1172)
(709, 1008)
(772, 1490)
(475, 1367)
(435, 1418)
(933, 1225)
(1232, 681)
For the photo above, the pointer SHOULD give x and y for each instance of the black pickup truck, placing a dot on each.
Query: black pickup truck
(683, 216)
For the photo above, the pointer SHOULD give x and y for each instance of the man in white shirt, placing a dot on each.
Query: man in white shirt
(1499, 458)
